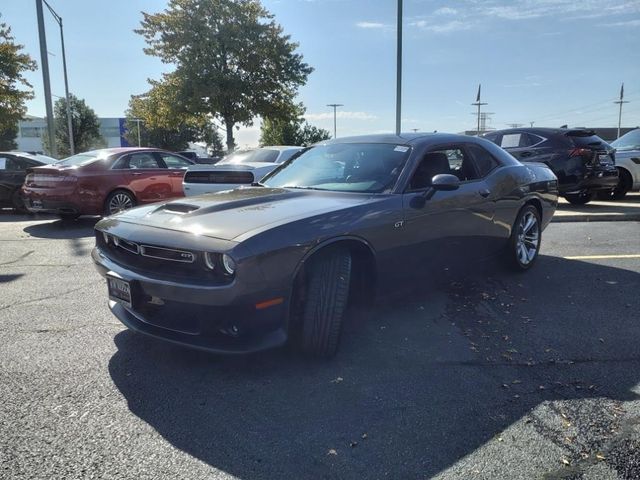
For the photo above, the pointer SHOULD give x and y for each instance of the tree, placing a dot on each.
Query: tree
(165, 121)
(84, 123)
(13, 64)
(232, 59)
(292, 130)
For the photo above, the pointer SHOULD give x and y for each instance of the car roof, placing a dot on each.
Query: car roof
(542, 130)
(402, 139)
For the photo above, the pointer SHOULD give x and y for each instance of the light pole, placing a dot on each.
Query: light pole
(58, 19)
(44, 60)
(478, 103)
(335, 123)
(399, 72)
(137, 120)
(620, 102)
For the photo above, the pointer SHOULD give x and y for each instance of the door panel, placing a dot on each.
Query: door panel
(145, 176)
(177, 167)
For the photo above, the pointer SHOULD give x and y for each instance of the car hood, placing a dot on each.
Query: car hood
(231, 214)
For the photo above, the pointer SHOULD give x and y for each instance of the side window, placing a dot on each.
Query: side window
(171, 161)
(453, 161)
(3, 163)
(15, 165)
(493, 137)
(517, 140)
(143, 160)
(532, 139)
(483, 160)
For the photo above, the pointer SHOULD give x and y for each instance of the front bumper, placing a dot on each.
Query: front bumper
(216, 318)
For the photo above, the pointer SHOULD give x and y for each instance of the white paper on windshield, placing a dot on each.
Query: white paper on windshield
(401, 148)
(3, 163)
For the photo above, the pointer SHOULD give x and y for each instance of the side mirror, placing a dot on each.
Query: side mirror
(445, 182)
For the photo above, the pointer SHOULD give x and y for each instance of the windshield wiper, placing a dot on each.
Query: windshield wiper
(300, 187)
(258, 184)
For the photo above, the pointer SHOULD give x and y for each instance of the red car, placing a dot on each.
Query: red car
(104, 182)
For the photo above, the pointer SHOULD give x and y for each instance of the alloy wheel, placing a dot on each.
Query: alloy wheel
(119, 202)
(528, 240)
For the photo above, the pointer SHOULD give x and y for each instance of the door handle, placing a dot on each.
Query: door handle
(136, 173)
(484, 192)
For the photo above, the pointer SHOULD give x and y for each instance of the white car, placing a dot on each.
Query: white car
(240, 168)
(628, 164)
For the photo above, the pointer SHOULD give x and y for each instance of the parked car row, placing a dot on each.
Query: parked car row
(582, 161)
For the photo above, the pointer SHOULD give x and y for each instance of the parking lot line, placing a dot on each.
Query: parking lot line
(601, 257)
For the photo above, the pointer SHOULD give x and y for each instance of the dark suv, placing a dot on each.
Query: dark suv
(582, 161)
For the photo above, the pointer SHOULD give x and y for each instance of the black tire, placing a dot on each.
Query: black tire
(579, 198)
(327, 294)
(18, 203)
(625, 182)
(117, 201)
(68, 217)
(516, 257)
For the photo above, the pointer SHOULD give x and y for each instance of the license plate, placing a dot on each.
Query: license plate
(36, 204)
(120, 291)
(604, 159)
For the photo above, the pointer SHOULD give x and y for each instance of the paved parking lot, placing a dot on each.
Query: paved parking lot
(484, 375)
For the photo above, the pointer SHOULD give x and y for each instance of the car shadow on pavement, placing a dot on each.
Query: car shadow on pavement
(63, 229)
(416, 386)
(10, 215)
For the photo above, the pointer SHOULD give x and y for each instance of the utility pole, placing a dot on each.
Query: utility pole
(478, 104)
(531, 123)
(415, 130)
(515, 125)
(58, 19)
(620, 102)
(44, 60)
(399, 72)
(335, 123)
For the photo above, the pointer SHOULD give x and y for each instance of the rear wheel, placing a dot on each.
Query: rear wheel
(579, 198)
(118, 201)
(17, 202)
(624, 185)
(326, 298)
(524, 243)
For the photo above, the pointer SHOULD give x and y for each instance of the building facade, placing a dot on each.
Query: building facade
(32, 130)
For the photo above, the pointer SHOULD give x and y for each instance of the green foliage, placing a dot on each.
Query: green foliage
(165, 121)
(13, 64)
(291, 130)
(232, 60)
(84, 123)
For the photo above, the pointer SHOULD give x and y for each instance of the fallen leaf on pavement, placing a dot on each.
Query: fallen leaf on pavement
(332, 452)
(337, 380)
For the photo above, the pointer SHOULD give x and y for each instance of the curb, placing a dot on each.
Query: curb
(597, 217)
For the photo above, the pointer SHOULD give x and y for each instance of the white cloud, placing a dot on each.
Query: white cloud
(445, 11)
(370, 25)
(441, 27)
(628, 23)
(340, 114)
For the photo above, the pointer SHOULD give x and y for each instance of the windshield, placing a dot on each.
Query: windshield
(248, 156)
(343, 167)
(83, 158)
(629, 141)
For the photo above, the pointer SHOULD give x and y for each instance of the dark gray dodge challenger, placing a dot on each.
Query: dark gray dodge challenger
(282, 260)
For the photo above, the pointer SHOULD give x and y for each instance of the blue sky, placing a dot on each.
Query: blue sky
(547, 61)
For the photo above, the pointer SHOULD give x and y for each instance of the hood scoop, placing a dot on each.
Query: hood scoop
(177, 208)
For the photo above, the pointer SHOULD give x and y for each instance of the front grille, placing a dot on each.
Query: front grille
(219, 177)
(155, 259)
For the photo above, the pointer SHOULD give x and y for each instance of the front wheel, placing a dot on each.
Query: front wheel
(524, 243)
(579, 198)
(118, 201)
(326, 298)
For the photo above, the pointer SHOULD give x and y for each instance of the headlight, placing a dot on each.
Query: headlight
(105, 236)
(229, 264)
(210, 260)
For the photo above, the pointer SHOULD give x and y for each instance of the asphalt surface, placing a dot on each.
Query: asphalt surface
(476, 375)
